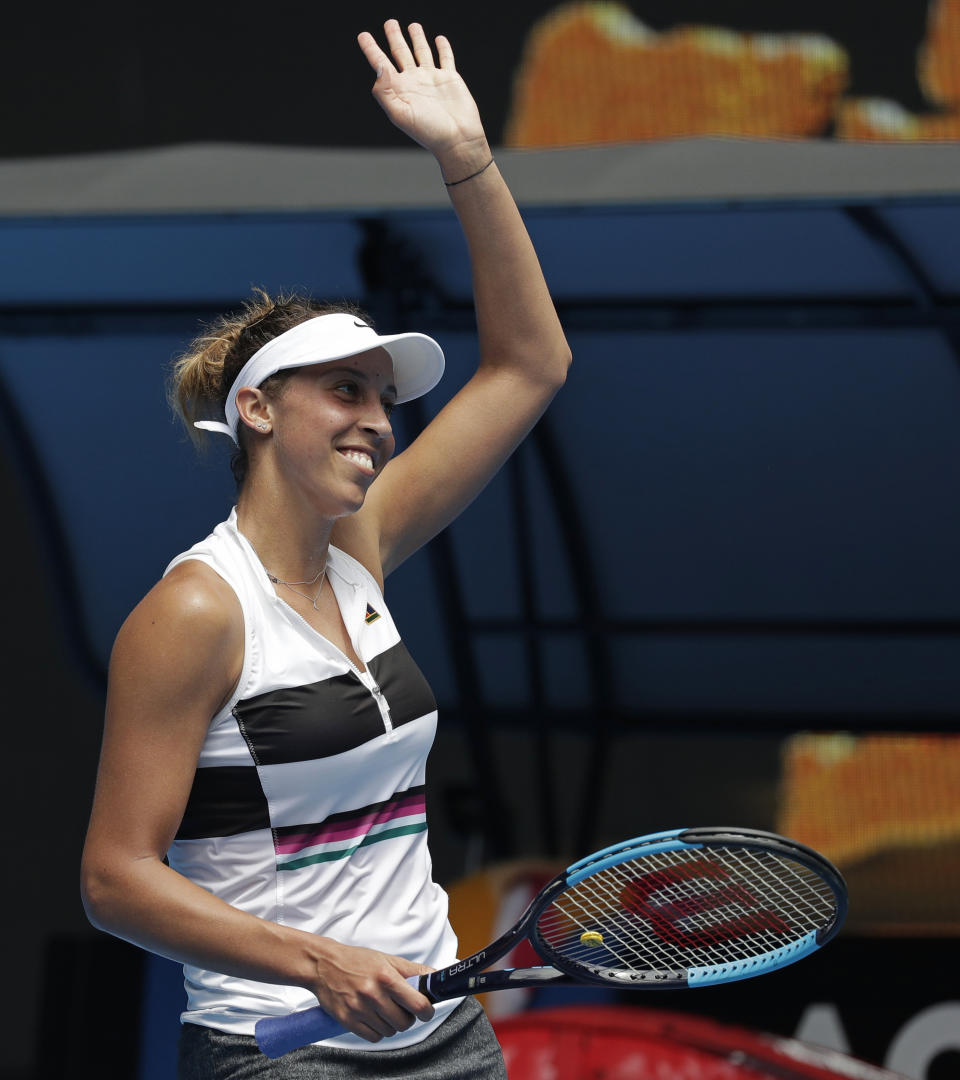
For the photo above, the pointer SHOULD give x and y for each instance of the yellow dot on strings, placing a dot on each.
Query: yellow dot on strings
(591, 937)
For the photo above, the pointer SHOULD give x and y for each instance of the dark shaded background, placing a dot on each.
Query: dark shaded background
(87, 79)
(762, 424)
(771, 392)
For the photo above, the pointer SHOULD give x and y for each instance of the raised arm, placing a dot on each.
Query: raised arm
(523, 352)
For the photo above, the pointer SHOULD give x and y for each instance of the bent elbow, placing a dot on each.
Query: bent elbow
(99, 892)
(564, 363)
(551, 367)
(557, 369)
(92, 896)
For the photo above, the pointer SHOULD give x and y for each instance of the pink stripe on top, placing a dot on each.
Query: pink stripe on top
(343, 830)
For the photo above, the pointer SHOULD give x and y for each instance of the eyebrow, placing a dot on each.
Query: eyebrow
(356, 373)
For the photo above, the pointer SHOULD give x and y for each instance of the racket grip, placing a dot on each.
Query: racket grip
(278, 1035)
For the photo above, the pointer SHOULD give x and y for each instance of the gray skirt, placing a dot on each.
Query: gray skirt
(463, 1047)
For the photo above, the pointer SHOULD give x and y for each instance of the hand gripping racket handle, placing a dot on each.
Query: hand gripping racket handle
(278, 1035)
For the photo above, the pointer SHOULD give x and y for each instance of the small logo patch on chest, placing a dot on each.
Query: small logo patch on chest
(371, 616)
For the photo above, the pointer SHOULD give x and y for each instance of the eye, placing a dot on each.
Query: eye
(389, 406)
(348, 386)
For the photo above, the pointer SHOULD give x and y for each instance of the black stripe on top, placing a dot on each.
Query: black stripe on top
(300, 723)
(321, 719)
(403, 684)
(224, 801)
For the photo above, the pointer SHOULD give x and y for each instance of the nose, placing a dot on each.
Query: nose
(376, 420)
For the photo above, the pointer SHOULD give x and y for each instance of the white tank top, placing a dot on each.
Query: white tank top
(308, 803)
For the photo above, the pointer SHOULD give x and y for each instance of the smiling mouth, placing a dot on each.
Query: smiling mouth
(358, 457)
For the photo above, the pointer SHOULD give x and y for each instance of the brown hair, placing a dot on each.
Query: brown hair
(202, 375)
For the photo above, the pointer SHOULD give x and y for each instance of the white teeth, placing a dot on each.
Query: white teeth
(360, 458)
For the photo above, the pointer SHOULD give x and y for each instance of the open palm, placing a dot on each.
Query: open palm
(427, 101)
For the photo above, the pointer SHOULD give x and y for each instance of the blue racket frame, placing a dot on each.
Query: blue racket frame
(278, 1035)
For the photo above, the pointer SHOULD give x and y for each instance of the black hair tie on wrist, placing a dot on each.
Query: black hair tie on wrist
(453, 183)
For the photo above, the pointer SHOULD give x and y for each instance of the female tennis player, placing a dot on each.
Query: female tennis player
(259, 805)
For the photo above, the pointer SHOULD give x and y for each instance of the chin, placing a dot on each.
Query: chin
(350, 505)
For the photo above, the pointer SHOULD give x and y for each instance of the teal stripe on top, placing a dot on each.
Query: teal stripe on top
(343, 853)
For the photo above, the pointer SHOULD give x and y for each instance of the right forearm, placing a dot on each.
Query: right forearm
(149, 904)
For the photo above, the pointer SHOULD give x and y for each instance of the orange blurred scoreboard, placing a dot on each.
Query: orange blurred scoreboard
(886, 810)
(595, 73)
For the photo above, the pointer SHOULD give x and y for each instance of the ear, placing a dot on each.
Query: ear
(254, 409)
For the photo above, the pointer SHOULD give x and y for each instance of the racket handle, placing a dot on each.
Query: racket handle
(278, 1035)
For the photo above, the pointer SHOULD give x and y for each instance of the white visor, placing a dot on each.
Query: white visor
(417, 359)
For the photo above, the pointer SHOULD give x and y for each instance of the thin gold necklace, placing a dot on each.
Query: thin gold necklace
(321, 576)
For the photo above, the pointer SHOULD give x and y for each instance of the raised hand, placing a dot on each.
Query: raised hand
(430, 103)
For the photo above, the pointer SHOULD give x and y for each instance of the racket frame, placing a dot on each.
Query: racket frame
(469, 977)
(279, 1035)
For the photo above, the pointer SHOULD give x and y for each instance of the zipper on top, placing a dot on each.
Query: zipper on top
(378, 696)
(364, 676)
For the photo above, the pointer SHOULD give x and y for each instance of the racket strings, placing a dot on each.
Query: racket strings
(592, 907)
(706, 915)
(680, 909)
(624, 941)
(641, 949)
(728, 920)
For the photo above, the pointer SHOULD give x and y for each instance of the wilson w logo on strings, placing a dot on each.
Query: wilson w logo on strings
(698, 906)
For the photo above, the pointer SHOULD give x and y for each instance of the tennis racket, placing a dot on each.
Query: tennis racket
(684, 908)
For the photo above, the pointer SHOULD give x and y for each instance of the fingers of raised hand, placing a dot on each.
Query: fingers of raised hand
(421, 47)
(422, 53)
(376, 57)
(445, 54)
(402, 55)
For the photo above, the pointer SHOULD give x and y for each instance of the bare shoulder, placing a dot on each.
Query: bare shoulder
(175, 663)
(187, 632)
(191, 598)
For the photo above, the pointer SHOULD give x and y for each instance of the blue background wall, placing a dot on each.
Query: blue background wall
(741, 511)
(761, 422)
